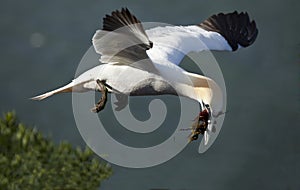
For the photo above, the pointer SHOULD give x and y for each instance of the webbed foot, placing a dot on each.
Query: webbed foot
(101, 103)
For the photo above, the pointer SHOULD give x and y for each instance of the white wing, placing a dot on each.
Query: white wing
(122, 40)
(218, 32)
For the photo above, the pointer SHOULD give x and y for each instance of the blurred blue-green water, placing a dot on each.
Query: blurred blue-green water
(42, 43)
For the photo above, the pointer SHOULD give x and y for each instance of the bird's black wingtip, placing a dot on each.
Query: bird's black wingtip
(118, 19)
(235, 27)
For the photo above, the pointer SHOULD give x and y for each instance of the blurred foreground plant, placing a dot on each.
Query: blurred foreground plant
(30, 161)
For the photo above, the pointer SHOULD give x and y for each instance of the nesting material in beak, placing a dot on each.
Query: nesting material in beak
(201, 123)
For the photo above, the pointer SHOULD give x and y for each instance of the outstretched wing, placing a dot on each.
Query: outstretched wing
(218, 32)
(235, 27)
(122, 40)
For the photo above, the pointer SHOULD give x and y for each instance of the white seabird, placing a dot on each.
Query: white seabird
(140, 62)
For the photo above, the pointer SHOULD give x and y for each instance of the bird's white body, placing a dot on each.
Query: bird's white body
(136, 82)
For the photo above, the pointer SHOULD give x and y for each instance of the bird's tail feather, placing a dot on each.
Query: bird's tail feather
(66, 88)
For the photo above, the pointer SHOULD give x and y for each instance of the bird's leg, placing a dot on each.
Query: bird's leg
(101, 104)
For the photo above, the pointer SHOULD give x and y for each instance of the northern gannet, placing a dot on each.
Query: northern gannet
(138, 62)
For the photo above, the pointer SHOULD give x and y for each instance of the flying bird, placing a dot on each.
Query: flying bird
(139, 62)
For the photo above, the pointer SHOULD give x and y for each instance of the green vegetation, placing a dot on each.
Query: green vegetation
(28, 160)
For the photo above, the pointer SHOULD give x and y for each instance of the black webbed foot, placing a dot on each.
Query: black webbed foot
(101, 104)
